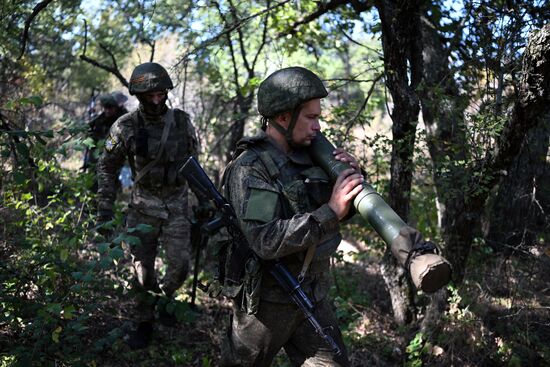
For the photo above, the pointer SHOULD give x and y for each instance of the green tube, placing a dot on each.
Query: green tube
(428, 270)
(368, 202)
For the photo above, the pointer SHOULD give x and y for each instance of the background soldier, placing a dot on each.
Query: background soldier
(112, 108)
(286, 205)
(120, 98)
(157, 140)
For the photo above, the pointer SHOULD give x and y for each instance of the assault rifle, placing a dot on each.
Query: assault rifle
(240, 252)
(199, 240)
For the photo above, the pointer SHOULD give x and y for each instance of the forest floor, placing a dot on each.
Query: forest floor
(499, 316)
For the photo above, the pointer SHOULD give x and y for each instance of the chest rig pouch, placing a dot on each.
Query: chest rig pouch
(157, 163)
(303, 190)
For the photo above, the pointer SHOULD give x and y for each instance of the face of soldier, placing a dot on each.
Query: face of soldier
(109, 111)
(307, 125)
(154, 102)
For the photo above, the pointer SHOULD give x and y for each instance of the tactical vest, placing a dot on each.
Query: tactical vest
(147, 144)
(304, 188)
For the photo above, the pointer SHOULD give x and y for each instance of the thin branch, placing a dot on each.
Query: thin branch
(228, 30)
(111, 69)
(231, 50)
(153, 46)
(184, 88)
(37, 9)
(107, 68)
(350, 80)
(85, 37)
(351, 122)
(264, 38)
(358, 43)
(240, 38)
(322, 8)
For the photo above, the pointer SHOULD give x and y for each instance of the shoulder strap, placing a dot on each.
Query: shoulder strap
(170, 120)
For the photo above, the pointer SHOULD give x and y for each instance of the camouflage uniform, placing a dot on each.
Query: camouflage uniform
(281, 201)
(98, 130)
(158, 199)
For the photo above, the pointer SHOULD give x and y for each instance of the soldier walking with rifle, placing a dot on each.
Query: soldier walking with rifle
(99, 128)
(287, 190)
(289, 213)
(156, 140)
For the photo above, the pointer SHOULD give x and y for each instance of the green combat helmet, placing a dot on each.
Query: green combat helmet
(107, 100)
(149, 77)
(285, 91)
(119, 97)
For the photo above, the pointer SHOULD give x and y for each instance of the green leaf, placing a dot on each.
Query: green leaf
(116, 253)
(144, 228)
(55, 334)
(64, 254)
(103, 247)
(105, 262)
(47, 133)
(19, 177)
(132, 240)
(32, 100)
(76, 288)
(54, 308)
(89, 142)
(68, 312)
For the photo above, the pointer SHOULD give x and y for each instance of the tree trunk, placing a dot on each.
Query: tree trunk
(460, 211)
(241, 111)
(403, 72)
(516, 215)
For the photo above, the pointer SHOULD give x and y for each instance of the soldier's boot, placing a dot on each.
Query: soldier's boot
(141, 337)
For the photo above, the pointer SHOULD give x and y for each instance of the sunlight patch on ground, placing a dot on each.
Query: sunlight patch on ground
(348, 250)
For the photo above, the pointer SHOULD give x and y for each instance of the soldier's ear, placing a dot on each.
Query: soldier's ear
(283, 119)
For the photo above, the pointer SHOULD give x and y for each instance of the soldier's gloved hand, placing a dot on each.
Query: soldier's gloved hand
(104, 223)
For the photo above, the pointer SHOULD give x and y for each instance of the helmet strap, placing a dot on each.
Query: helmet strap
(277, 127)
(292, 124)
(287, 133)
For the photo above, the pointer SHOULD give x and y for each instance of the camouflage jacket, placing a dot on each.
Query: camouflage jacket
(281, 201)
(136, 137)
(100, 125)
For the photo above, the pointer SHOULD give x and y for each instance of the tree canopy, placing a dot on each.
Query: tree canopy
(445, 104)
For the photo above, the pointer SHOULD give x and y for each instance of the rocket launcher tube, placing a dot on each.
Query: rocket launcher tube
(429, 271)
(368, 202)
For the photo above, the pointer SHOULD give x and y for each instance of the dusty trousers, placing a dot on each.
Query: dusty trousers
(255, 340)
(172, 234)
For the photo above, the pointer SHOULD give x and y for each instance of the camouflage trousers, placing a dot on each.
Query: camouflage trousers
(173, 235)
(255, 340)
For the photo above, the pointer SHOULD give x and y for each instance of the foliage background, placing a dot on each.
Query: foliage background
(65, 292)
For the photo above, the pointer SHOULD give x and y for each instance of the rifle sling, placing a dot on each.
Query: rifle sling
(307, 261)
(167, 125)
